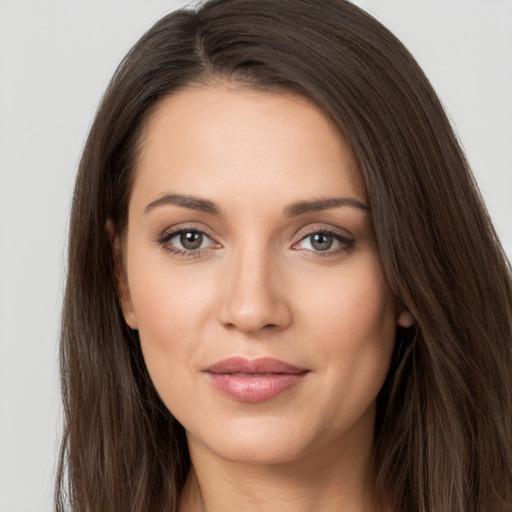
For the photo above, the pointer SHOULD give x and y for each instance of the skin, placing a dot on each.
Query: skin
(259, 287)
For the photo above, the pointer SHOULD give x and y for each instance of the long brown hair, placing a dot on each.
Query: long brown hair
(443, 435)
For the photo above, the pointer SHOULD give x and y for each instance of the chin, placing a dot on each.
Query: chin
(265, 441)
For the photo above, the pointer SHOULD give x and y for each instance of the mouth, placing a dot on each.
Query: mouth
(254, 380)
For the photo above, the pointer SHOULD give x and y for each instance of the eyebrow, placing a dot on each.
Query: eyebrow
(301, 207)
(194, 203)
(293, 210)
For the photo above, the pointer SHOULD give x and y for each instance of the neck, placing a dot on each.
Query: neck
(325, 480)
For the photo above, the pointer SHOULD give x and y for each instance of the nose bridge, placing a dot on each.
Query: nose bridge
(253, 297)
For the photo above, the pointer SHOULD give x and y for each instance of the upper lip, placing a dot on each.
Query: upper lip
(262, 365)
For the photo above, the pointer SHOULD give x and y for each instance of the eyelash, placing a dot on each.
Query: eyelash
(185, 253)
(346, 244)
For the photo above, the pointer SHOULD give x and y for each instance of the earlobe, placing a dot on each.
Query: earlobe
(123, 291)
(405, 319)
(127, 307)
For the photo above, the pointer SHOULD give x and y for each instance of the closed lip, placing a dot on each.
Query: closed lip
(262, 365)
(254, 380)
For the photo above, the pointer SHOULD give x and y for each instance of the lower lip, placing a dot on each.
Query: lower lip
(257, 387)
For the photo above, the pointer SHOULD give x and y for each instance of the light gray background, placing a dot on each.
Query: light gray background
(55, 61)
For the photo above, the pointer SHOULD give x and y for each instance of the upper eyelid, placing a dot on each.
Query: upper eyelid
(324, 229)
(179, 228)
(173, 234)
(342, 239)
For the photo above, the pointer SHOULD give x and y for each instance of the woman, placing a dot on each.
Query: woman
(284, 291)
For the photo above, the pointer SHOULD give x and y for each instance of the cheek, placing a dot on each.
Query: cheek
(355, 332)
(353, 306)
(165, 293)
(171, 311)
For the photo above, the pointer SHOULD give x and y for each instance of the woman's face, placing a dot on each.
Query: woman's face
(253, 278)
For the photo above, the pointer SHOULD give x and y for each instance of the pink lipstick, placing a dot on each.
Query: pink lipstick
(254, 380)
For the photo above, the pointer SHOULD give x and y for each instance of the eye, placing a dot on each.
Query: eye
(186, 242)
(189, 240)
(320, 241)
(326, 242)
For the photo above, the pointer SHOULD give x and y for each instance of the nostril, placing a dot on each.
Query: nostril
(251, 301)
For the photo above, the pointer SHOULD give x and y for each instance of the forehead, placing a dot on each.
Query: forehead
(225, 141)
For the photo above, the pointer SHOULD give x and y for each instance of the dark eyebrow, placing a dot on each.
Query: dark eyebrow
(293, 210)
(194, 203)
(302, 207)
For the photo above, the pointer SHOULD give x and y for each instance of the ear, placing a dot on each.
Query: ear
(405, 319)
(123, 291)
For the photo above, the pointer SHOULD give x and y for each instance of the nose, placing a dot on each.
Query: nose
(253, 293)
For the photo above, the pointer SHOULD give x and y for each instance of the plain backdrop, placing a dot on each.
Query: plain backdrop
(55, 61)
